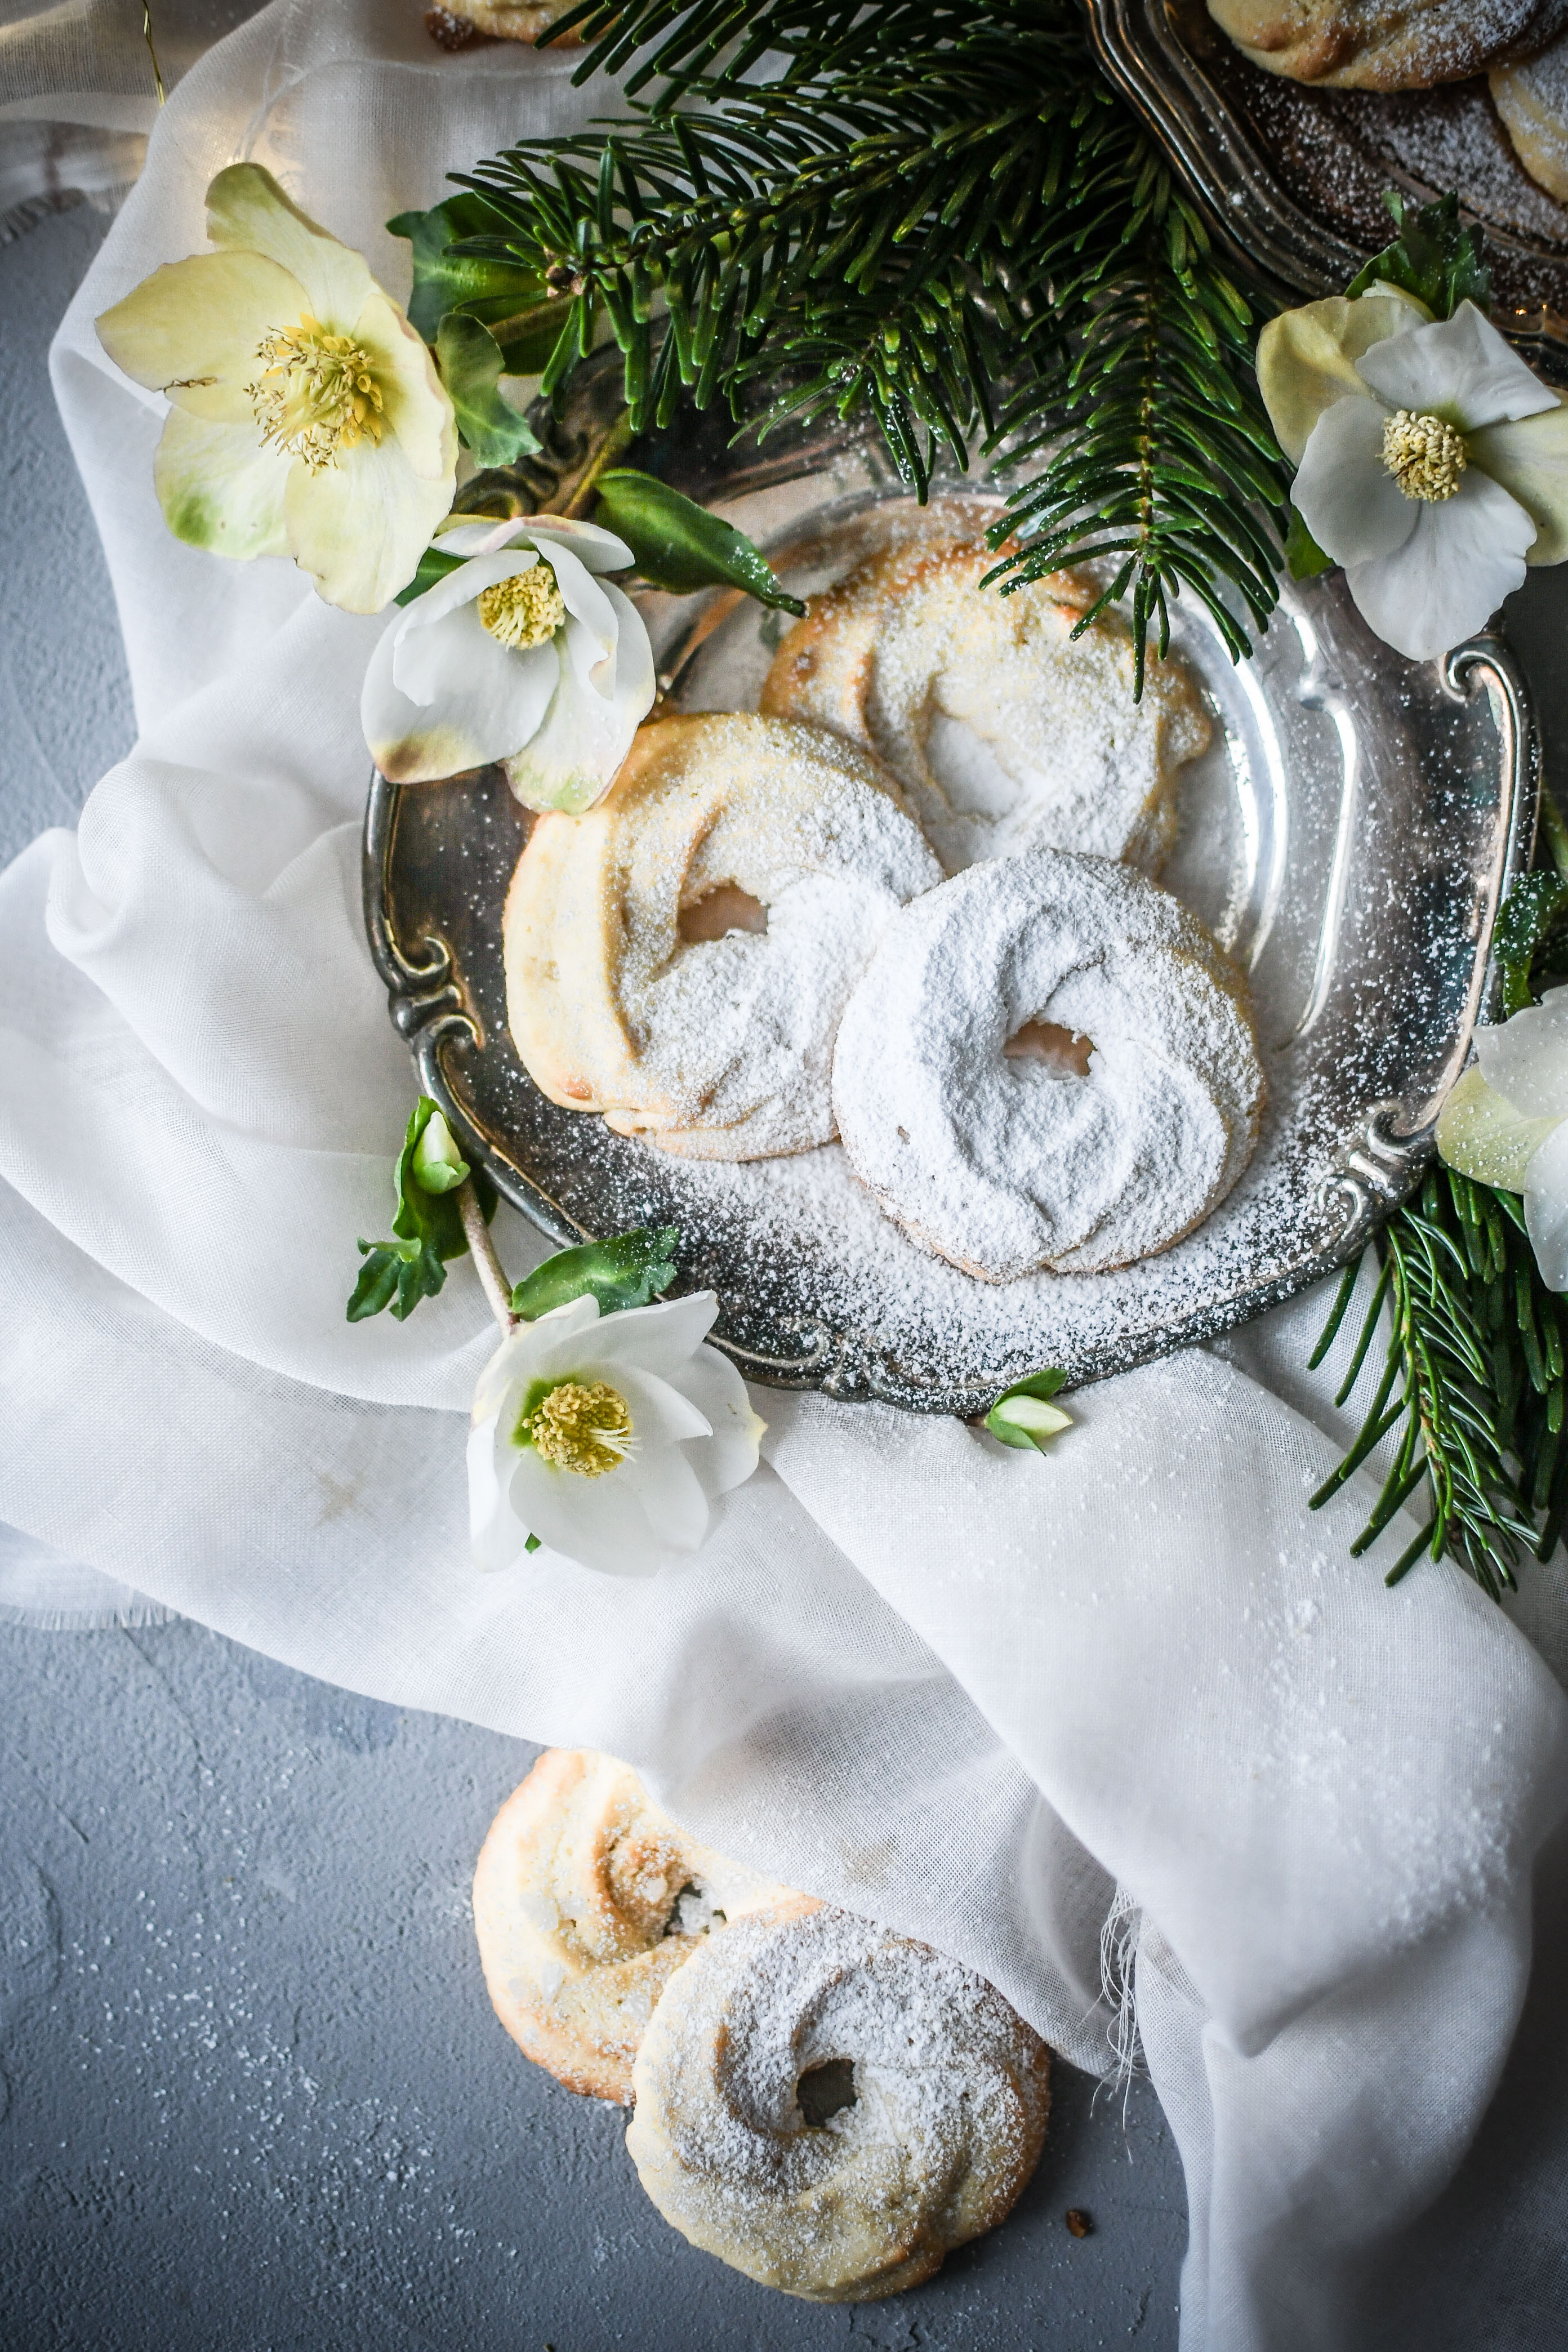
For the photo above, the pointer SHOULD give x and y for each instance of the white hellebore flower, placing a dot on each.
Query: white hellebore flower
(1432, 463)
(306, 416)
(522, 655)
(1506, 1123)
(605, 1436)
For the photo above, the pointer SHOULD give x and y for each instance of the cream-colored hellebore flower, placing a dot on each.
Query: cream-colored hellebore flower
(306, 416)
(605, 1436)
(521, 655)
(1431, 462)
(1506, 1123)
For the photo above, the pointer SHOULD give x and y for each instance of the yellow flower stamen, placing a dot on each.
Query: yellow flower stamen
(525, 610)
(569, 1424)
(317, 393)
(1425, 455)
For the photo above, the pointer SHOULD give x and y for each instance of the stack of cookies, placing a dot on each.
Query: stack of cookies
(827, 2106)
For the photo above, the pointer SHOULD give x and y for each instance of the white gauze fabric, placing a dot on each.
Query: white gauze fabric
(971, 1693)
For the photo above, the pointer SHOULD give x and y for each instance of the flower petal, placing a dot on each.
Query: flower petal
(191, 330)
(462, 586)
(659, 1338)
(1460, 369)
(1306, 358)
(572, 760)
(248, 210)
(496, 1537)
(416, 404)
(1348, 499)
(1465, 555)
(671, 1494)
(479, 700)
(600, 1522)
(515, 1362)
(361, 525)
(581, 593)
(1527, 1058)
(662, 1413)
(1482, 1134)
(595, 548)
(727, 1457)
(469, 535)
(1546, 1208)
(1530, 460)
(219, 489)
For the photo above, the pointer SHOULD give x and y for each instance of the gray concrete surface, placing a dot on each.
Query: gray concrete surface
(257, 2100)
(65, 695)
(252, 2095)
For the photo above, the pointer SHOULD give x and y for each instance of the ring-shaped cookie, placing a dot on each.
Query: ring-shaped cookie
(679, 956)
(1005, 731)
(1386, 44)
(947, 2092)
(586, 1900)
(1004, 1156)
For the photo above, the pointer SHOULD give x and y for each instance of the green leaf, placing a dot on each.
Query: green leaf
(434, 565)
(679, 545)
(397, 1274)
(628, 1271)
(428, 1226)
(445, 280)
(1021, 1415)
(1433, 258)
(1534, 910)
(1303, 556)
(469, 360)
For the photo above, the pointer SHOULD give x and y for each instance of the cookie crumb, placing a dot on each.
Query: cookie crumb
(1080, 2223)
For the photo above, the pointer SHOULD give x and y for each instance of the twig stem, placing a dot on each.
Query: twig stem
(613, 445)
(151, 51)
(497, 1288)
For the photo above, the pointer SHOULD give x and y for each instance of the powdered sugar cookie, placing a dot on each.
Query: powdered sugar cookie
(1533, 99)
(586, 1900)
(1386, 44)
(677, 958)
(1049, 1063)
(1005, 731)
(831, 2108)
(502, 20)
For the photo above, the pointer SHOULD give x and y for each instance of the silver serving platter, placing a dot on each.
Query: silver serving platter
(1348, 837)
(1292, 174)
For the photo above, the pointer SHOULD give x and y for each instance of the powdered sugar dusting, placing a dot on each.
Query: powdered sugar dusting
(1005, 731)
(1000, 1164)
(948, 2114)
(716, 1048)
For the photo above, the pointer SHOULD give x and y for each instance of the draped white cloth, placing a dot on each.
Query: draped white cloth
(999, 1702)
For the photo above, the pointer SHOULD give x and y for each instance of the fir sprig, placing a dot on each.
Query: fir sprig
(937, 216)
(1474, 1369)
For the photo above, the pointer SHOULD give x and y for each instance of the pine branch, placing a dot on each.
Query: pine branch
(942, 218)
(1474, 1368)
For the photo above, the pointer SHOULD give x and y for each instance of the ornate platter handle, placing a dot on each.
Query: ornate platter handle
(1384, 1160)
